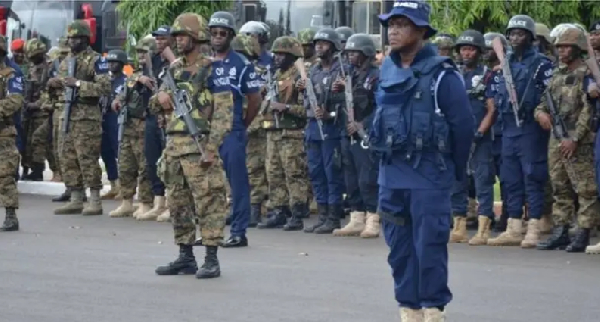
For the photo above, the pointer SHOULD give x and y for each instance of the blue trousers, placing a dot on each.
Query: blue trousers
(360, 172)
(325, 171)
(233, 154)
(525, 172)
(153, 147)
(497, 152)
(484, 175)
(418, 242)
(110, 144)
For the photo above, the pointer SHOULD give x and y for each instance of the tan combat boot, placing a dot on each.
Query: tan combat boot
(483, 232)
(56, 177)
(512, 236)
(354, 227)
(159, 207)
(124, 210)
(142, 209)
(113, 192)
(165, 216)
(595, 249)
(459, 231)
(94, 205)
(74, 206)
(433, 314)
(410, 315)
(313, 206)
(372, 228)
(532, 238)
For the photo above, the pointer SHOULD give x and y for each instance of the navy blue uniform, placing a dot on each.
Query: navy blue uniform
(235, 73)
(423, 129)
(525, 148)
(19, 140)
(110, 132)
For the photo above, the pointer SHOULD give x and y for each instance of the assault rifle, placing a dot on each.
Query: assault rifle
(70, 95)
(310, 92)
(559, 129)
(350, 106)
(508, 79)
(271, 95)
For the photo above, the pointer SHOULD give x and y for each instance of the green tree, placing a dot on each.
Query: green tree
(455, 16)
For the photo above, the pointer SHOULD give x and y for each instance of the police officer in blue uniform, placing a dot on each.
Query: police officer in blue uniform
(491, 80)
(360, 167)
(524, 142)
(422, 130)
(110, 126)
(470, 46)
(234, 72)
(323, 133)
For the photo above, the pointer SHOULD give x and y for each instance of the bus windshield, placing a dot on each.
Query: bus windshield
(287, 17)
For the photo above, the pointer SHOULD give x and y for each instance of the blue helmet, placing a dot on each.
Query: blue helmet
(417, 11)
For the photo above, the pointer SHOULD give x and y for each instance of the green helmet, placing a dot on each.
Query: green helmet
(246, 45)
(443, 41)
(147, 44)
(288, 45)
(192, 25)
(79, 28)
(541, 30)
(306, 36)
(569, 34)
(34, 47)
(117, 55)
(63, 46)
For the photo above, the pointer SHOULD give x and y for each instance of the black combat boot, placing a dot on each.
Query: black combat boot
(322, 210)
(11, 223)
(294, 222)
(210, 268)
(558, 240)
(275, 219)
(255, 214)
(580, 241)
(229, 215)
(185, 264)
(333, 220)
(37, 172)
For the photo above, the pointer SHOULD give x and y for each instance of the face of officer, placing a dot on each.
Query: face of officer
(323, 48)
(283, 61)
(77, 44)
(115, 67)
(37, 59)
(309, 50)
(469, 55)
(19, 56)
(220, 39)
(445, 52)
(567, 53)
(356, 58)
(519, 38)
(595, 39)
(185, 44)
(489, 55)
(141, 57)
(403, 35)
(162, 42)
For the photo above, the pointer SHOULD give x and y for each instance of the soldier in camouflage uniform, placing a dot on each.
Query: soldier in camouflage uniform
(257, 138)
(571, 161)
(131, 104)
(80, 146)
(544, 41)
(284, 119)
(34, 117)
(445, 44)
(11, 100)
(195, 181)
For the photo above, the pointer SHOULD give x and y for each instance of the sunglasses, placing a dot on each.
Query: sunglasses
(219, 33)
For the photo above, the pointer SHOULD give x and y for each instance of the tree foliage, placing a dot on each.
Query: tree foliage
(141, 18)
(455, 16)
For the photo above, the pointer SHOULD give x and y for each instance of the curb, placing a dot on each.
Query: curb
(47, 188)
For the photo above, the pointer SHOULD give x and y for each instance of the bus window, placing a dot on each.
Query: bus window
(374, 12)
(360, 16)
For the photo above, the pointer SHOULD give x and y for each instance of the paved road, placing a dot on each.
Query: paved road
(75, 269)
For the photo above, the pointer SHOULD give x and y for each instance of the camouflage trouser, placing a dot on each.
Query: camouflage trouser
(56, 135)
(9, 162)
(79, 153)
(255, 161)
(548, 199)
(565, 182)
(132, 163)
(42, 145)
(194, 193)
(286, 170)
(32, 154)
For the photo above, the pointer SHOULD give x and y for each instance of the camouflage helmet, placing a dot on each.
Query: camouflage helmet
(569, 34)
(305, 36)
(443, 41)
(63, 46)
(117, 55)
(362, 43)
(79, 28)
(35, 47)
(53, 53)
(542, 30)
(3, 44)
(147, 44)
(192, 25)
(288, 45)
(246, 45)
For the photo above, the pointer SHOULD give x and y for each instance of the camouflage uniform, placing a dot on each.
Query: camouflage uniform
(35, 119)
(11, 100)
(132, 160)
(572, 179)
(195, 192)
(80, 146)
(257, 138)
(286, 167)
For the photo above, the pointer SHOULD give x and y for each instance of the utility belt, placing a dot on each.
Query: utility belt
(278, 122)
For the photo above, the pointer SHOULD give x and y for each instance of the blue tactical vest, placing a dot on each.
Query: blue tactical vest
(408, 120)
(474, 83)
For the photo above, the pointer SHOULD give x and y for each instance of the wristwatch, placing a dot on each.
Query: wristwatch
(78, 83)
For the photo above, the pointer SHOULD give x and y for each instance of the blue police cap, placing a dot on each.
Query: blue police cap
(162, 31)
(415, 10)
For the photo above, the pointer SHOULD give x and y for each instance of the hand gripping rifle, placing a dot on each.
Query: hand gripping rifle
(310, 92)
(508, 79)
(350, 106)
(70, 95)
(271, 96)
